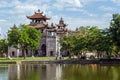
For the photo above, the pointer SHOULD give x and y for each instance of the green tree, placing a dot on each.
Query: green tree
(88, 39)
(97, 39)
(104, 43)
(84, 30)
(115, 31)
(79, 43)
(82, 38)
(92, 36)
(13, 36)
(3, 46)
(67, 44)
(27, 38)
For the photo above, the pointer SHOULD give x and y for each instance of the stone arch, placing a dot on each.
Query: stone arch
(13, 53)
(43, 48)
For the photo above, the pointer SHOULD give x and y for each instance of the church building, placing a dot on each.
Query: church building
(49, 43)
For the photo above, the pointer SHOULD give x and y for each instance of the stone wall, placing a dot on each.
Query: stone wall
(51, 46)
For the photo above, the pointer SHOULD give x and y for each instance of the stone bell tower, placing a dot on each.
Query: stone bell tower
(47, 45)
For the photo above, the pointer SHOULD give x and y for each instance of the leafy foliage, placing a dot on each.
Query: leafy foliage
(114, 30)
(13, 36)
(87, 39)
(28, 38)
(3, 46)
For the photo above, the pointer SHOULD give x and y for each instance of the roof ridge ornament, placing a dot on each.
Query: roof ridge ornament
(52, 24)
(61, 18)
(38, 10)
(61, 21)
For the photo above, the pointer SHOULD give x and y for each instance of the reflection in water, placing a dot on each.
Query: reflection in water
(59, 72)
(35, 72)
(18, 71)
(91, 72)
(3, 72)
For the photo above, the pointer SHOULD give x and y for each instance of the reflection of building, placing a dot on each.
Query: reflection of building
(35, 72)
(58, 72)
(4, 72)
(50, 34)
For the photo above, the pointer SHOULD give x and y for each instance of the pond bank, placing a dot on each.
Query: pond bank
(101, 61)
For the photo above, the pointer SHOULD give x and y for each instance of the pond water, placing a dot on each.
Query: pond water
(59, 72)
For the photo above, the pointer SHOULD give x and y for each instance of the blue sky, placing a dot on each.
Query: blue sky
(74, 12)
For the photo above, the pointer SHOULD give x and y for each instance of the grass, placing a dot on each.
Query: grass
(14, 59)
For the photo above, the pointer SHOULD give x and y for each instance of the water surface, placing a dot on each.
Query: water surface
(59, 72)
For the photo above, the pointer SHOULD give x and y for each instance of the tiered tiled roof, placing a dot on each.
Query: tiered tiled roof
(61, 23)
(38, 25)
(61, 31)
(38, 16)
(41, 25)
(39, 22)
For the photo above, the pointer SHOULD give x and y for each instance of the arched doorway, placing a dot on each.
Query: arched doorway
(13, 53)
(43, 48)
(51, 53)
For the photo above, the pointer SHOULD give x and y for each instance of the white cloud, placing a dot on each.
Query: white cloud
(3, 20)
(0, 30)
(74, 3)
(101, 22)
(77, 3)
(18, 10)
(86, 2)
(23, 9)
(27, 6)
(87, 13)
(106, 8)
(116, 1)
(3, 4)
(63, 4)
(82, 11)
(107, 15)
(4, 26)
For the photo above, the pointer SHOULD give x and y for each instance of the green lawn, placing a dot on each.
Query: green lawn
(27, 59)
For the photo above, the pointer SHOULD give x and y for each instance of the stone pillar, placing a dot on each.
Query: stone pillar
(18, 52)
(58, 48)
